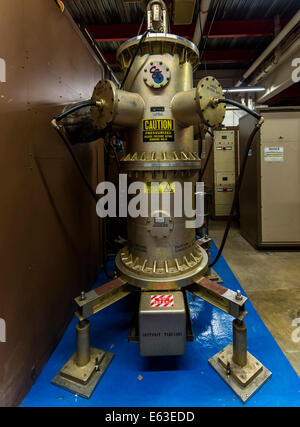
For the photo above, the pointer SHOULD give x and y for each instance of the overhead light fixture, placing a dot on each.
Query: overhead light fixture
(245, 89)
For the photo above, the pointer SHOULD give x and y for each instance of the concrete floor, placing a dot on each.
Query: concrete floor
(271, 280)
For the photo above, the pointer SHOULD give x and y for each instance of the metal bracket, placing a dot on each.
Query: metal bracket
(214, 276)
(223, 298)
(205, 243)
(100, 298)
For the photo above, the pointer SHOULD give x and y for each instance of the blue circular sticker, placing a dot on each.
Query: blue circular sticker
(157, 75)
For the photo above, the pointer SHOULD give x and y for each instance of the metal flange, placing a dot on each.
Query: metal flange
(157, 74)
(105, 92)
(208, 91)
(159, 44)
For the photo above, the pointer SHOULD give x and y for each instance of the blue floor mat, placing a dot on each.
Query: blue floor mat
(132, 380)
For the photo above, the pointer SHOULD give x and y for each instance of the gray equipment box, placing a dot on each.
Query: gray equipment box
(162, 323)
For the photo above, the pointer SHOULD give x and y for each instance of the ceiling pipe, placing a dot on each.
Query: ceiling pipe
(201, 21)
(276, 62)
(283, 33)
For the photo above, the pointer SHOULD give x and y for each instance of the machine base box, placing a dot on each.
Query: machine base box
(162, 323)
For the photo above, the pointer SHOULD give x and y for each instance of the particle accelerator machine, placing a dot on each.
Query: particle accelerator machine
(162, 260)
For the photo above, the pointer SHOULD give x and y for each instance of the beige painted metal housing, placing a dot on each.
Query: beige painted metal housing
(270, 197)
(159, 113)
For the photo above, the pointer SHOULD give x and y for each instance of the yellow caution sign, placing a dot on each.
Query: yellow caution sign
(158, 130)
(159, 187)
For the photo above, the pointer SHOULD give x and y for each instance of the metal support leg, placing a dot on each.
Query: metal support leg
(84, 370)
(239, 343)
(238, 368)
(83, 354)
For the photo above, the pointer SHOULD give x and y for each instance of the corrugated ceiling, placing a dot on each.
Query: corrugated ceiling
(97, 12)
(93, 12)
(254, 9)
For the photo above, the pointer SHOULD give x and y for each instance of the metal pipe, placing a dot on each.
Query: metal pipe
(276, 62)
(83, 343)
(93, 46)
(201, 21)
(283, 33)
(157, 18)
(239, 342)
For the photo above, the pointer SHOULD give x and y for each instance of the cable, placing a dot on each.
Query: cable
(199, 16)
(140, 29)
(237, 190)
(241, 106)
(80, 170)
(206, 161)
(201, 34)
(208, 33)
(104, 249)
(111, 145)
(75, 108)
(200, 143)
(91, 191)
(134, 56)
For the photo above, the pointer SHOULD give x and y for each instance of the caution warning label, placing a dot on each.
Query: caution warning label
(158, 130)
(159, 187)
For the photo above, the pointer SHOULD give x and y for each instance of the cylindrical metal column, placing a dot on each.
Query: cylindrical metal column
(158, 108)
(239, 342)
(83, 343)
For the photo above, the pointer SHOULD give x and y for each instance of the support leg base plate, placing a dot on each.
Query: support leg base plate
(83, 380)
(243, 381)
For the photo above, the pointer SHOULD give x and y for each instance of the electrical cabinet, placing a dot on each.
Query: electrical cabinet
(224, 170)
(270, 196)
